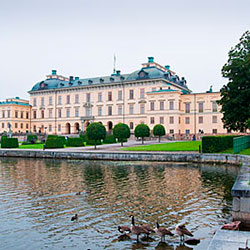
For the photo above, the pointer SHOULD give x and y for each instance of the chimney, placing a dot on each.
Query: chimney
(77, 78)
(167, 67)
(150, 59)
(53, 72)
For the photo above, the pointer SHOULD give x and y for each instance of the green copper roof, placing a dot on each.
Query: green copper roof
(163, 90)
(12, 102)
(142, 74)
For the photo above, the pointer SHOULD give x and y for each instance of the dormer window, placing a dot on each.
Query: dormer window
(112, 79)
(61, 84)
(79, 82)
(42, 85)
(90, 81)
(142, 74)
(101, 80)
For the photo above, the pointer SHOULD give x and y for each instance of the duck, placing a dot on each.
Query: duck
(148, 228)
(124, 229)
(232, 226)
(75, 217)
(137, 230)
(78, 193)
(181, 230)
(161, 231)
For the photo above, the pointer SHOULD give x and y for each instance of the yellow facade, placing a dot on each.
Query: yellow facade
(15, 115)
(152, 95)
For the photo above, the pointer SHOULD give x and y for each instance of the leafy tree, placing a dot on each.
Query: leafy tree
(248, 123)
(159, 130)
(142, 130)
(121, 131)
(235, 95)
(96, 131)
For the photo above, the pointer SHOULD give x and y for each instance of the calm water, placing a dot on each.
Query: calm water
(38, 199)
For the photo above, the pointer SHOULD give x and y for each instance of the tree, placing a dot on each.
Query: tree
(121, 131)
(142, 130)
(235, 96)
(96, 131)
(159, 130)
(248, 123)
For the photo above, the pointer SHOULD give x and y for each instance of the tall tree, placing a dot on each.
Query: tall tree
(96, 131)
(121, 131)
(235, 96)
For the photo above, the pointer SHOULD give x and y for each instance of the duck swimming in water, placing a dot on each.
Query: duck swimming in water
(162, 232)
(181, 230)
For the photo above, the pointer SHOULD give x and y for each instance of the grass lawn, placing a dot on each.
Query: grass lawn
(32, 146)
(171, 146)
(230, 151)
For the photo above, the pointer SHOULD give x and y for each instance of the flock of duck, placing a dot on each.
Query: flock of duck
(146, 229)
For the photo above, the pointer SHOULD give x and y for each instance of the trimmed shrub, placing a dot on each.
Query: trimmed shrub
(31, 138)
(122, 132)
(75, 142)
(96, 131)
(142, 130)
(214, 144)
(62, 138)
(55, 142)
(84, 137)
(9, 142)
(109, 139)
(159, 131)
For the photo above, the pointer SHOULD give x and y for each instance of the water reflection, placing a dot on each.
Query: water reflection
(38, 199)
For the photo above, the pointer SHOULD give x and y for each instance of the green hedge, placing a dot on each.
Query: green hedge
(9, 142)
(214, 144)
(57, 136)
(55, 142)
(109, 139)
(83, 137)
(31, 138)
(75, 142)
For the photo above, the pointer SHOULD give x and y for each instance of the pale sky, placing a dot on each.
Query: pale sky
(80, 37)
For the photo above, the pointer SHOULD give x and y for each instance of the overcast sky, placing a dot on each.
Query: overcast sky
(80, 37)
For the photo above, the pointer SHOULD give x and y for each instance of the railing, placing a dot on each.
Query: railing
(241, 143)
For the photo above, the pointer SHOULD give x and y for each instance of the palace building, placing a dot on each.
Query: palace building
(153, 94)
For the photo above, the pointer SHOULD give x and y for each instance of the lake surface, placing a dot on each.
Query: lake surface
(38, 199)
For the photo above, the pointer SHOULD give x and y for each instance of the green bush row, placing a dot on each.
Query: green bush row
(75, 142)
(31, 138)
(9, 142)
(55, 141)
(109, 139)
(214, 144)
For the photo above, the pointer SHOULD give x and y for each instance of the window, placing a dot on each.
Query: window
(131, 94)
(50, 113)
(16, 125)
(200, 107)
(68, 99)
(76, 112)
(3, 114)
(34, 128)
(50, 100)
(131, 125)
(27, 125)
(214, 131)
(2, 125)
(152, 106)
(119, 95)
(120, 110)
(99, 111)
(34, 114)
(59, 127)
(42, 101)
(171, 131)
(187, 131)
(88, 97)
(187, 120)
(76, 98)
(142, 108)
(109, 110)
(214, 107)
(152, 120)
(179, 120)
(187, 107)
(161, 120)
(214, 119)
(59, 113)
(99, 97)
(67, 112)
(171, 119)
(34, 102)
(109, 96)
(16, 114)
(131, 109)
(42, 114)
(88, 111)
(59, 100)
(161, 105)
(21, 114)
(142, 93)
(50, 127)
(200, 119)
(27, 115)
(171, 105)
(9, 114)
